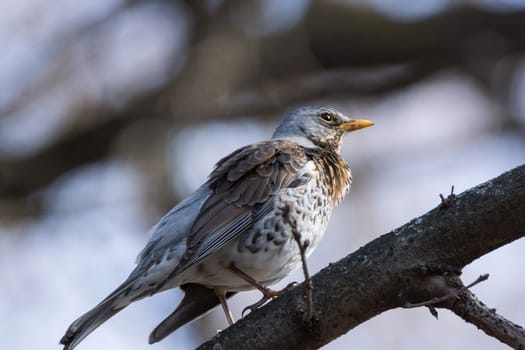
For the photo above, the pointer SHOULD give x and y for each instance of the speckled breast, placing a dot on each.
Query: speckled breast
(269, 251)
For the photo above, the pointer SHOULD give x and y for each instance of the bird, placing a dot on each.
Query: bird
(235, 232)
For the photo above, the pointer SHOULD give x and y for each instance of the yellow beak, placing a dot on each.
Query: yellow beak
(356, 124)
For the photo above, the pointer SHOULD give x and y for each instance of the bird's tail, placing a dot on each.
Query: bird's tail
(88, 322)
(197, 301)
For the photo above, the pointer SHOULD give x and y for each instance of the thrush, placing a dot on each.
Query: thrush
(230, 234)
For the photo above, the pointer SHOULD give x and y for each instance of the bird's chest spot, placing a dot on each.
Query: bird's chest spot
(310, 209)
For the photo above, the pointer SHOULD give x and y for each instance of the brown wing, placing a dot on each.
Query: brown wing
(243, 185)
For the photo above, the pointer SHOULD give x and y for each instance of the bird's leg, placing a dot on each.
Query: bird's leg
(225, 308)
(267, 292)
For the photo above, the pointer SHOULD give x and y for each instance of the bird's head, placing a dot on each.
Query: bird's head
(318, 126)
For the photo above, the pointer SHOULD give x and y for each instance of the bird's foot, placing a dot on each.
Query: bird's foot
(255, 305)
(287, 288)
(272, 294)
(268, 294)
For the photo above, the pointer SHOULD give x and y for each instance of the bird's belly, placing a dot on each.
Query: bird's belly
(269, 252)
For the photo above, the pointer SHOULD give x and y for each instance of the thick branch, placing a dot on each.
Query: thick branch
(336, 33)
(391, 271)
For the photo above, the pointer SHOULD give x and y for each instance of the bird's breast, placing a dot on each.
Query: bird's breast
(269, 251)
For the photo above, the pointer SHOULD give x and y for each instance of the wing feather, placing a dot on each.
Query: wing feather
(243, 185)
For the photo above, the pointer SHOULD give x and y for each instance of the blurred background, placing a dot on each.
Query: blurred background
(112, 111)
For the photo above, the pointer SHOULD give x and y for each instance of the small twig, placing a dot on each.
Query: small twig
(447, 202)
(449, 295)
(302, 249)
(478, 280)
(432, 301)
(308, 281)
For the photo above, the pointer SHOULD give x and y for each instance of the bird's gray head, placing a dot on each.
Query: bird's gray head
(318, 126)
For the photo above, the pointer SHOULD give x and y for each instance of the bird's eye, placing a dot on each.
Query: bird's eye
(327, 117)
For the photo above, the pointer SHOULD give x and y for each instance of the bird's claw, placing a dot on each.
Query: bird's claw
(289, 286)
(256, 305)
(272, 294)
(268, 294)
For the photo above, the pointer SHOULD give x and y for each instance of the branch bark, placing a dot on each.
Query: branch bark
(416, 262)
(469, 308)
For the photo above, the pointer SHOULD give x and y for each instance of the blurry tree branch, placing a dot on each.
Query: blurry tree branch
(20, 177)
(336, 50)
(341, 37)
(415, 263)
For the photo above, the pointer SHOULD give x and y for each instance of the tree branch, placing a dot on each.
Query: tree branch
(411, 264)
(469, 308)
